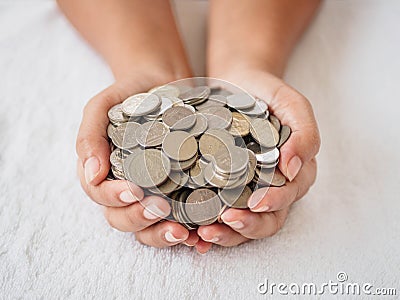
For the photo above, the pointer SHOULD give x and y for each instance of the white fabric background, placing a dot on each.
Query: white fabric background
(54, 242)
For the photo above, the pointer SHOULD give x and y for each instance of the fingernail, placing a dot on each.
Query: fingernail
(170, 237)
(262, 208)
(92, 167)
(256, 198)
(128, 197)
(187, 244)
(293, 167)
(213, 240)
(153, 212)
(235, 224)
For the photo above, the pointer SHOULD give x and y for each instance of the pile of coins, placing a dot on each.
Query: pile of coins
(203, 149)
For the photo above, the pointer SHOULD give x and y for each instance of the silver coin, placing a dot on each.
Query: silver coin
(182, 179)
(259, 108)
(213, 100)
(200, 126)
(195, 93)
(124, 136)
(192, 185)
(284, 135)
(167, 90)
(275, 121)
(250, 173)
(241, 101)
(223, 209)
(202, 206)
(252, 159)
(141, 104)
(220, 91)
(151, 134)
(197, 174)
(183, 165)
(264, 133)
(269, 157)
(110, 129)
(272, 177)
(116, 115)
(179, 118)
(213, 140)
(182, 212)
(117, 173)
(222, 182)
(166, 102)
(128, 159)
(183, 89)
(170, 185)
(232, 161)
(236, 198)
(149, 168)
(179, 145)
(218, 117)
(116, 159)
(190, 107)
(267, 166)
(130, 151)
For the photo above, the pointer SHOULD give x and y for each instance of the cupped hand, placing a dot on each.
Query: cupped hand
(122, 207)
(268, 207)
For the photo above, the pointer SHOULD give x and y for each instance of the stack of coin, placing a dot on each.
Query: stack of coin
(202, 148)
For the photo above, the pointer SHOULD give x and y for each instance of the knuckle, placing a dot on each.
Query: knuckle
(130, 216)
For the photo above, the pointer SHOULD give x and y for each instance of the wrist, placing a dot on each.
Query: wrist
(159, 71)
(223, 68)
(138, 79)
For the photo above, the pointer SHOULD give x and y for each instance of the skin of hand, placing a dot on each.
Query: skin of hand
(122, 209)
(269, 206)
(119, 45)
(249, 44)
(140, 42)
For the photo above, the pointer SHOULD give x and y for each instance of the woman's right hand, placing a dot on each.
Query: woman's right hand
(126, 208)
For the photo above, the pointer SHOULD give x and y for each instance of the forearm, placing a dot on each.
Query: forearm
(255, 33)
(131, 35)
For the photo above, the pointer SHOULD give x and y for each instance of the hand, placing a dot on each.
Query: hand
(269, 206)
(122, 209)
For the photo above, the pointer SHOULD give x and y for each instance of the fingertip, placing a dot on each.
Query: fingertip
(293, 167)
(155, 207)
(174, 238)
(192, 239)
(203, 247)
(92, 169)
(256, 197)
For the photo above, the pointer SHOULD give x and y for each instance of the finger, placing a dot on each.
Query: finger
(92, 144)
(277, 198)
(203, 247)
(254, 225)
(192, 239)
(221, 234)
(162, 234)
(139, 215)
(111, 192)
(295, 110)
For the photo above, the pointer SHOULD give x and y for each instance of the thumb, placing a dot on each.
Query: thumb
(295, 110)
(92, 144)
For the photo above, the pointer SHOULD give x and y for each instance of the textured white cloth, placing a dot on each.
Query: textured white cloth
(55, 243)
